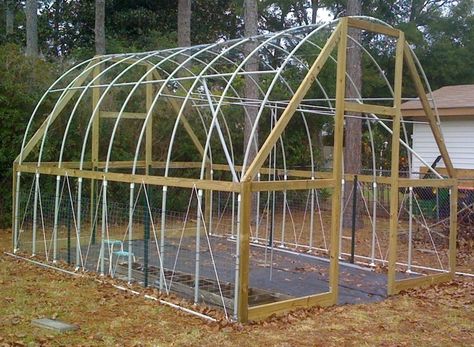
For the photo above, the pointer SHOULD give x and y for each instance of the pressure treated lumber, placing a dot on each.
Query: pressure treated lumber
(368, 108)
(337, 162)
(118, 177)
(395, 165)
(421, 281)
(264, 311)
(373, 27)
(244, 252)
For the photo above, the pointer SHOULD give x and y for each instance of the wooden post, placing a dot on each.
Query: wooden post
(394, 179)
(244, 244)
(337, 162)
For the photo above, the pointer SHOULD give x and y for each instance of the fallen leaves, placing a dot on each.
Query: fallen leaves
(441, 315)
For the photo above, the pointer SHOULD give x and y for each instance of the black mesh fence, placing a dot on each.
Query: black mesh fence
(182, 241)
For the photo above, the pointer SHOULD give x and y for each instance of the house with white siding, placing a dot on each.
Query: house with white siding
(455, 106)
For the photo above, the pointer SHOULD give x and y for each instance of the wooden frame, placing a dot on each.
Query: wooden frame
(307, 180)
(368, 108)
(337, 163)
(266, 310)
(224, 186)
(392, 251)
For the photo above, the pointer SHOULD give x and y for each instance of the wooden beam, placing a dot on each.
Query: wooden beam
(292, 185)
(337, 162)
(121, 164)
(306, 174)
(423, 281)
(318, 175)
(153, 164)
(70, 164)
(128, 178)
(464, 177)
(373, 27)
(394, 170)
(293, 105)
(244, 253)
(177, 165)
(369, 108)
(264, 311)
(368, 178)
(125, 115)
(60, 104)
(420, 89)
(279, 171)
(435, 183)
(460, 173)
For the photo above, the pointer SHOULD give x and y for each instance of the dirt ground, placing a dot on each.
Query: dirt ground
(440, 316)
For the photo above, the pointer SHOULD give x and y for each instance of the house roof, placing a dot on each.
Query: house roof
(457, 100)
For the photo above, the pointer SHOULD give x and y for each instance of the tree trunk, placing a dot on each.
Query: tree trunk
(99, 27)
(353, 128)
(319, 132)
(57, 34)
(184, 23)
(31, 10)
(314, 8)
(251, 90)
(9, 16)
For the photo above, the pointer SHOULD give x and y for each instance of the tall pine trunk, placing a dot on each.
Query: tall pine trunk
(250, 89)
(31, 10)
(353, 128)
(99, 27)
(184, 23)
(314, 10)
(9, 17)
(251, 81)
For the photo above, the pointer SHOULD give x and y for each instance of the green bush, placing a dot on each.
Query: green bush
(22, 83)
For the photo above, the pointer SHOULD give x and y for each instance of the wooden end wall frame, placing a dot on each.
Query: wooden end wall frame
(335, 180)
(94, 169)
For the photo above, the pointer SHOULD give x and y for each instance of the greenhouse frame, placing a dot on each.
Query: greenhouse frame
(101, 183)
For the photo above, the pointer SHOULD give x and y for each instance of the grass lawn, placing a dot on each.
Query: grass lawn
(439, 316)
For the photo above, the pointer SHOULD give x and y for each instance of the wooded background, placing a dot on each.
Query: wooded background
(41, 39)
